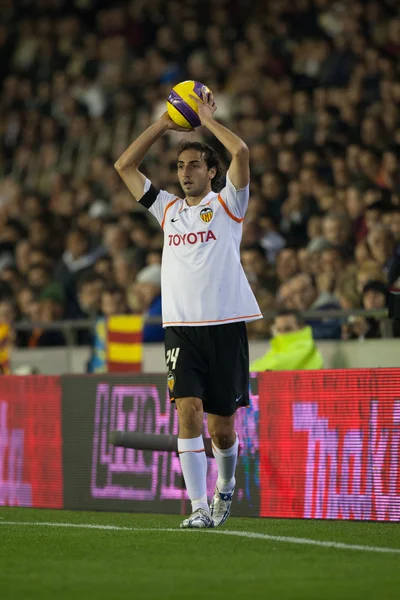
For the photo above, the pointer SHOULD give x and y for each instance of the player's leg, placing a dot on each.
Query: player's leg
(225, 445)
(227, 389)
(186, 370)
(193, 460)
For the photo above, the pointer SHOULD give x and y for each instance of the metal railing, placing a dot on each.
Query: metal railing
(68, 327)
(71, 327)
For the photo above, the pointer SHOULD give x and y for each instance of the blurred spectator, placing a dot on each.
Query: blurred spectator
(13, 277)
(362, 253)
(22, 256)
(127, 265)
(27, 304)
(51, 308)
(38, 276)
(153, 257)
(355, 209)
(374, 297)
(292, 346)
(115, 239)
(76, 258)
(90, 286)
(86, 304)
(260, 329)
(104, 267)
(97, 214)
(336, 230)
(305, 296)
(8, 314)
(382, 245)
(113, 301)
(255, 262)
(391, 219)
(145, 297)
(286, 264)
(369, 271)
(346, 292)
(331, 268)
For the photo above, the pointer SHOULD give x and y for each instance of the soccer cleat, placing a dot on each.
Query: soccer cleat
(200, 519)
(220, 506)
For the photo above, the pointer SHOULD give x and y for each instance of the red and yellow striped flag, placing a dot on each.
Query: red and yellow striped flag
(124, 343)
(4, 349)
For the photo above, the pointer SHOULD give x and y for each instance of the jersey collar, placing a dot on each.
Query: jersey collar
(206, 200)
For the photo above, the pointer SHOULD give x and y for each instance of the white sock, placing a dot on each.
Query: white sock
(194, 468)
(226, 462)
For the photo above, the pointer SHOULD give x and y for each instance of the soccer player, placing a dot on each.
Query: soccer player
(206, 300)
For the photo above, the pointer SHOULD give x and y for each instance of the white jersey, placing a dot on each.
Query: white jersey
(202, 279)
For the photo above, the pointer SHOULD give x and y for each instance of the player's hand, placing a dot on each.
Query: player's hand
(172, 125)
(206, 106)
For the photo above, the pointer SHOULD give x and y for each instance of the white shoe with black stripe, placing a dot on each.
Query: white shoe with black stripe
(199, 519)
(220, 506)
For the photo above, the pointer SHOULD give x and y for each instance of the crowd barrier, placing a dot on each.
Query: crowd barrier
(322, 444)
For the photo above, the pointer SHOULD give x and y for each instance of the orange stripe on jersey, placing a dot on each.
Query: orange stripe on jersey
(216, 321)
(183, 451)
(228, 212)
(166, 209)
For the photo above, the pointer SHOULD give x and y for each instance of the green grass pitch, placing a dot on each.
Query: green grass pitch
(139, 557)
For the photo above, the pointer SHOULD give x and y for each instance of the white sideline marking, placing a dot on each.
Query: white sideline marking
(245, 534)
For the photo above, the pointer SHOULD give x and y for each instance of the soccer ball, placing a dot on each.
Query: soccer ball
(181, 108)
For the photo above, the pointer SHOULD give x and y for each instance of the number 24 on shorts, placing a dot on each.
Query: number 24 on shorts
(171, 358)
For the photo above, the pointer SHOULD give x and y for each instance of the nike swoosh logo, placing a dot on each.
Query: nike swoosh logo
(174, 220)
(239, 398)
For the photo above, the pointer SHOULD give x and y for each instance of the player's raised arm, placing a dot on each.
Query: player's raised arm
(239, 169)
(128, 163)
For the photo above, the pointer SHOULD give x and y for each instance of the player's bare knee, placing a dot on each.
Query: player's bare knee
(223, 435)
(190, 416)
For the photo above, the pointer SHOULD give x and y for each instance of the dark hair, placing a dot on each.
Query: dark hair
(41, 266)
(380, 205)
(155, 251)
(111, 220)
(88, 277)
(255, 248)
(393, 210)
(138, 218)
(376, 286)
(133, 257)
(45, 220)
(78, 231)
(310, 276)
(268, 213)
(286, 312)
(8, 300)
(12, 268)
(113, 290)
(106, 257)
(18, 227)
(211, 159)
(288, 247)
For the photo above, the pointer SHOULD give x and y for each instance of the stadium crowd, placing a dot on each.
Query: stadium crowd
(312, 86)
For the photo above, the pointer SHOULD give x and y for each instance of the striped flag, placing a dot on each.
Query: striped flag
(124, 343)
(4, 349)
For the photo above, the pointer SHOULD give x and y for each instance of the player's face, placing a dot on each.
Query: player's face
(193, 173)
